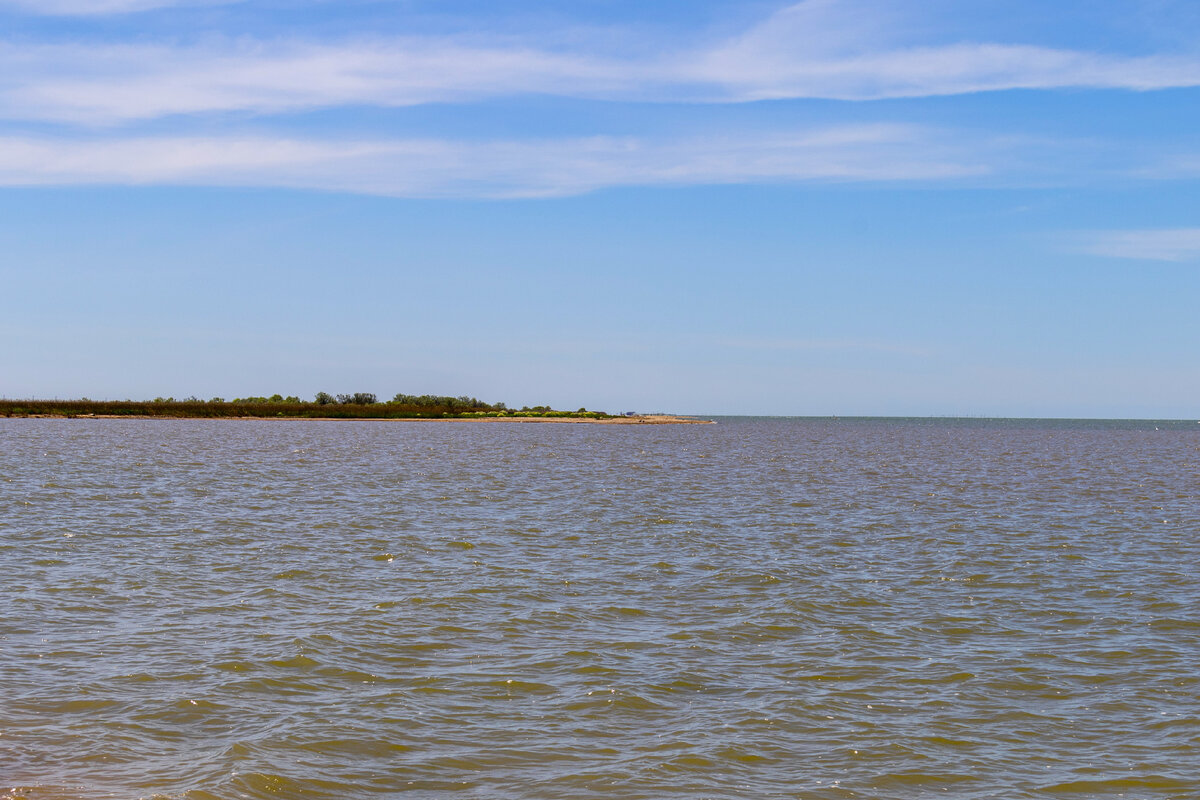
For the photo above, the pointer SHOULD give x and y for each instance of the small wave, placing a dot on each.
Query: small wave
(273, 786)
(301, 662)
(1094, 788)
(912, 779)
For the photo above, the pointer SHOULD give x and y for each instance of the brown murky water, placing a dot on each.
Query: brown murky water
(756, 609)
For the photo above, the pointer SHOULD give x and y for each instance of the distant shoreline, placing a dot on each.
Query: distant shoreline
(636, 419)
(363, 405)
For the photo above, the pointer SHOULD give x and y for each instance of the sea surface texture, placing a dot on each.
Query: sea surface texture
(762, 608)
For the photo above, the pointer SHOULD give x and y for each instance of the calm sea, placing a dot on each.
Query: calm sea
(763, 608)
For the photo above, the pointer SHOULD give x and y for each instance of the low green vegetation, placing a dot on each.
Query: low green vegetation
(359, 405)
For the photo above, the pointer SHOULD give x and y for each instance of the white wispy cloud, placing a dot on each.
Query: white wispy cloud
(120, 83)
(429, 168)
(848, 50)
(1168, 166)
(1167, 244)
(814, 49)
(931, 71)
(87, 8)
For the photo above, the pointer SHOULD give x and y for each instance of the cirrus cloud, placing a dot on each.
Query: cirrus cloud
(439, 168)
(1166, 244)
(805, 51)
(89, 8)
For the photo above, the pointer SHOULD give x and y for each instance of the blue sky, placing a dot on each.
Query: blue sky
(824, 207)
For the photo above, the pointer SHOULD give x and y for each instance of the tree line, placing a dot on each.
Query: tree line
(364, 405)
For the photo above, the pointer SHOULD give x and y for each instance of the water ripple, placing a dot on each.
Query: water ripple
(222, 610)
